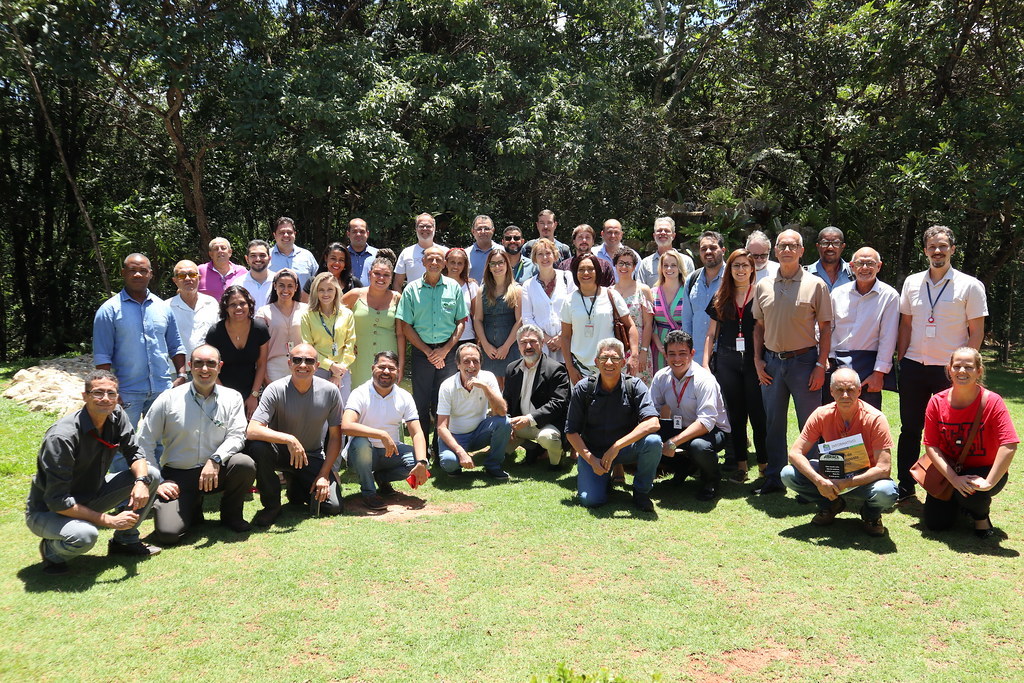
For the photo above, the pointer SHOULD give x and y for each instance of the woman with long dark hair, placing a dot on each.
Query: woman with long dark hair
(282, 316)
(497, 314)
(335, 262)
(456, 266)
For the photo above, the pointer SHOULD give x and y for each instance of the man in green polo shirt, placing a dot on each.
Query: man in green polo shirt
(432, 313)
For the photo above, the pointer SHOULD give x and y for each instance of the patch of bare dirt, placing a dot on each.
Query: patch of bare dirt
(741, 662)
(404, 508)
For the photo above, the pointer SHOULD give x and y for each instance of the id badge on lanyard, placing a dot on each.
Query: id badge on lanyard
(741, 343)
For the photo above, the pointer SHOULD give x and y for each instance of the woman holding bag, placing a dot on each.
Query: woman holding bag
(948, 430)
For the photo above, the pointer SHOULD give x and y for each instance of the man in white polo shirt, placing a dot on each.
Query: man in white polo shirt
(373, 417)
(941, 309)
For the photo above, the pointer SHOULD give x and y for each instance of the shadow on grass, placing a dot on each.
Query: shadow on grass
(619, 506)
(83, 574)
(472, 479)
(674, 496)
(355, 507)
(844, 534)
(962, 540)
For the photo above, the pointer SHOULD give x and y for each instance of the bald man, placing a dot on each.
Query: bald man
(611, 242)
(194, 312)
(219, 272)
(867, 320)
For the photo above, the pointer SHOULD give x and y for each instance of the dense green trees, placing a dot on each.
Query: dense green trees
(181, 119)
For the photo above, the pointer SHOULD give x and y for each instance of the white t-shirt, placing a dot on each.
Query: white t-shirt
(466, 409)
(410, 262)
(469, 292)
(382, 412)
(591, 321)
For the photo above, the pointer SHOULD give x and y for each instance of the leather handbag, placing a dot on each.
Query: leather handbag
(933, 481)
(618, 327)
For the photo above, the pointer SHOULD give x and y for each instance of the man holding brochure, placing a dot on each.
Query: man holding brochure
(855, 459)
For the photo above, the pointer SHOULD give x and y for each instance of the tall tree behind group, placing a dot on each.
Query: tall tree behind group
(182, 120)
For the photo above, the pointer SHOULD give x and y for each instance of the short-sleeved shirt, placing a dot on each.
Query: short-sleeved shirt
(580, 311)
(826, 423)
(360, 262)
(958, 298)
(648, 269)
(303, 415)
(844, 275)
(73, 459)
(564, 251)
(789, 308)
(138, 340)
(478, 259)
(729, 328)
(700, 400)
(945, 425)
(410, 261)
(609, 415)
(300, 260)
(212, 283)
(388, 413)
(465, 409)
(432, 310)
(695, 317)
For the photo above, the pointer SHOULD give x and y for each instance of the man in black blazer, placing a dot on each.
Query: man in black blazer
(536, 410)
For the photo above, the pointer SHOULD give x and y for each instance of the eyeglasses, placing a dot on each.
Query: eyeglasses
(513, 238)
(741, 266)
(625, 264)
(864, 264)
(787, 247)
(608, 359)
(200, 364)
(830, 243)
(100, 394)
(302, 360)
(759, 257)
(496, 264)
(187, 275)
(585, 270)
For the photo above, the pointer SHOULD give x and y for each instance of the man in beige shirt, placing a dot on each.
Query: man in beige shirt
(789, 357)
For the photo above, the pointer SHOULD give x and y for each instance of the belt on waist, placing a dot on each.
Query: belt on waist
(437, 345)
(793, 354)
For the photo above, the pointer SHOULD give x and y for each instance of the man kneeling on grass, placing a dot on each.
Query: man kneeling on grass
(71, 490)
(855, 468)
(374, 416)
(286, 433)
(613, 421)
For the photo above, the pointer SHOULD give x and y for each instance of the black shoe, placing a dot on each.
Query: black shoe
(236, 524)
(374, 502)
(266, 516)
(643, 502)
(707, 493)
(801, 500)
(554, 468)
(768, 487)
(384, 488)
(499, 476)
(532, 454)
(982, 533)
(137, 549)
(50, 567)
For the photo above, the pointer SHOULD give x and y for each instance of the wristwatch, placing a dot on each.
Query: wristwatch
(645, 348)
(215, 458)
(425, 463)
(147, 480)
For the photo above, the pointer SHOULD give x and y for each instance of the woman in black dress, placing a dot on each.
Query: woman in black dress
(243, 344)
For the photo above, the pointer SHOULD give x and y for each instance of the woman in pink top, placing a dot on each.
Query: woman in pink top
(669, 298)
(283, 317)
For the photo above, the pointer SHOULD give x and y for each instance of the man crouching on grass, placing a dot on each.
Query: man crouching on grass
(71, 490)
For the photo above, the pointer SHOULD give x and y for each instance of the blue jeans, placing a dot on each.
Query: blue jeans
(494, 430)
(136, 404)
(67, 537)
(365, 459)
(790, 377)
(645, 454)
(876, 497)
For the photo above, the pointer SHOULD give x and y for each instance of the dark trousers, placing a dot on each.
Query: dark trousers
(426, 382)
(272, 458)
(940, 515)
(917, 384)
(742, 393)
(699, 456)
(172, 518)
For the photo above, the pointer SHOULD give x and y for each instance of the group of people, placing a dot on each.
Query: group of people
(273, 374)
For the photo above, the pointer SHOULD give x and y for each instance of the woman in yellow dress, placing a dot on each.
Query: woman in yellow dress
(373, 308)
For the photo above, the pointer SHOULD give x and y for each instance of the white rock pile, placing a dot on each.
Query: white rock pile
(53, 386)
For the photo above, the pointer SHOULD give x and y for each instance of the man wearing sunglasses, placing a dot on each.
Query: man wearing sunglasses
(202, 429)
(512, 240)
(71, 490)
(760, 248)
(286, 435)
(194, 312)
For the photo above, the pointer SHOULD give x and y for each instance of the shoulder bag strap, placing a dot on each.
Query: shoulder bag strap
(973, 433)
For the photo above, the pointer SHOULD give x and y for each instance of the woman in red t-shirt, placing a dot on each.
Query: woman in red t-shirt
(947, 424)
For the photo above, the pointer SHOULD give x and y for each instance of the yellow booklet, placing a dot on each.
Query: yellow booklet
(843, 457)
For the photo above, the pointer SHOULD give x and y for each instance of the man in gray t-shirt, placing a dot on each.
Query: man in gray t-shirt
(286, 434)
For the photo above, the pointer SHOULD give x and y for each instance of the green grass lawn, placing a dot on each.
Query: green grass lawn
(507, 581)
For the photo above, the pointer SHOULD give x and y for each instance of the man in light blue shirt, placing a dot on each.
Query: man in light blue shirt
(830, 265)
(611, 242)
(360, 254)
(480, 250)
(134, 335)
(705, 281)
(286, 254)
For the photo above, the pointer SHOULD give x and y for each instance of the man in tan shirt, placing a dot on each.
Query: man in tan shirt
(789, 357)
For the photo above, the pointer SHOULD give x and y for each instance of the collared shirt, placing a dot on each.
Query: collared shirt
(194, 323)
(410, 261)
(602, 252)
(790, 309)
(866, 322)
(695, 317)
(701, 399)
(360, 262)
(524, 270)
(648, 273)
(73, 461)
(465, 409)
(387, 413)
(478, 259)
(333, 336)
(259, 291)
(564, 251)
(962, 300)
(300, 260)
(432, 310)
(771, 269)
(609, 415)
(605, 275)
(845, 274)
(526, 406)
(138, 340)
(826, 423)
(192, 428)
(212, 283)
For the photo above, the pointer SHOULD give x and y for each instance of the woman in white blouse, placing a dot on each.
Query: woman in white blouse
(544, 294)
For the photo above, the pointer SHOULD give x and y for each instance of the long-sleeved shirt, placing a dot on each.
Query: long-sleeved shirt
(866, 322)
(192, 427)
(333, 336)
(138, 340)
(695, 317)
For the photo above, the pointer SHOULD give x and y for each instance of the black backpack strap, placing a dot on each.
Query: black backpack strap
(691, 280)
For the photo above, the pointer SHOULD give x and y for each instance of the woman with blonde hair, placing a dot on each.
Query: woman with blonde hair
(329, 328)
(669, 300)
(544, 294)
